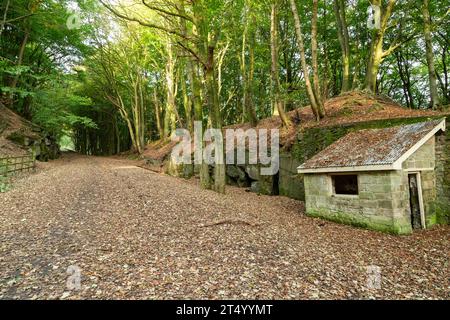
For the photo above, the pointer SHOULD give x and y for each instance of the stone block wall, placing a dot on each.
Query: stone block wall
(290, 184)
(424, 161)
(379, 205)
(423, 158)
(442, 203)
(383, 200)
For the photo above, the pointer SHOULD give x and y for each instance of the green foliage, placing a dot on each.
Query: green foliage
(56, 108)
(66, 142)
(17, 92)
(37, 51)
(63, 78)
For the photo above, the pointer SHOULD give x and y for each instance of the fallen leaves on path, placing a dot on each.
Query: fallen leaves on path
(134, 234)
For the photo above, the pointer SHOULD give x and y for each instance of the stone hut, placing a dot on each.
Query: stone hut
(383, 179)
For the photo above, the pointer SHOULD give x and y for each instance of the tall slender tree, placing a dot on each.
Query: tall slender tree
(344, 40)
(316, 106)
(278, 104)
(430, 54)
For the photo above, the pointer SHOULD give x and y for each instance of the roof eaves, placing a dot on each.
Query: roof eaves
(384, 167)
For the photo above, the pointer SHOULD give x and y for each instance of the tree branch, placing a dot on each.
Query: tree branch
(19, 18)
(196, 56)
(394, 47)
(179, 15)
(142, 23)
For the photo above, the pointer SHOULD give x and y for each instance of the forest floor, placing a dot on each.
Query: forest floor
(134, 234)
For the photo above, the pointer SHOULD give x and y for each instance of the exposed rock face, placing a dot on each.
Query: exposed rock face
(255, 187)
(20, 137)
(238, 176)
(185, 171)
(252, 171)
(236, 172)
(48, 149)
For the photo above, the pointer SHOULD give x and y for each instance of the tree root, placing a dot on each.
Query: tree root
(152, 169)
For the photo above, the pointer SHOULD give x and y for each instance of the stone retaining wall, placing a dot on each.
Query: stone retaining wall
(442, 204)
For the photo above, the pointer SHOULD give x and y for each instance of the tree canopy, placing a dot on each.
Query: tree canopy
(115, 75)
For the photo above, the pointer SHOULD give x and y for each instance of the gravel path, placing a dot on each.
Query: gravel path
(135, 234)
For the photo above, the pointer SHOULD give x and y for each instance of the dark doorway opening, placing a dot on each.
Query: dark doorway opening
(276, 185)
(414, 201)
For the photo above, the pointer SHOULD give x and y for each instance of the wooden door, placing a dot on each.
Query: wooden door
(414, 201)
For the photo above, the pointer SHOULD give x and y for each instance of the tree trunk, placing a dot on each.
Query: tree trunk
(315, 62)
(376, 53)
(170, 118)
(26, 107)
(301, 46)
(158, 114)
(137, 110)
(357, 63)
(117, 134)
(341, 23)
(373, 66)
(205, 179)
(15, 79)
(277, 100)
(216, 119)
(187, 103)
(430, 55)
(248, 108)
(5, 14)
(142, 128)
(405, 76)
(195, 83)
(444, 83)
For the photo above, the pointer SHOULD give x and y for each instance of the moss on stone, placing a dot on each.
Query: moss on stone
(266, 185)
(185, 171)
(397, 228)
(291, 187)
(440, 215)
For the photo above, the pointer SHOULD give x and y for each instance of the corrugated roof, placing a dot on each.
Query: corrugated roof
(371, 147)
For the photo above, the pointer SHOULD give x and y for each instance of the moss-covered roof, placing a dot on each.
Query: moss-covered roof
(373, 147)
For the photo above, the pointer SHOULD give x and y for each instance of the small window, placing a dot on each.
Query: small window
(345, 184)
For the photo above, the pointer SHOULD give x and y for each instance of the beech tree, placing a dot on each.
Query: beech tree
(430, 54)
(136, 70)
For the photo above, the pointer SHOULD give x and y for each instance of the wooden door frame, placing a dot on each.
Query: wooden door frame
(419, 190)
